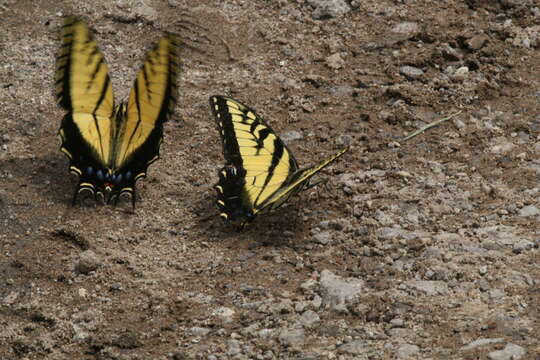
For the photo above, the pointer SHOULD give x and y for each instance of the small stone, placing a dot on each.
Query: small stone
(407, 29)
(510, 352)
(481, 342)
(502, 146)
(233, 348)
(10, 298)
(323, 238)
(292, 337)
(408, 351)
(80, 334)
(224, 313)
(88, 262)
(199, 331)
(292, 135)
(337, 291)
(355, 347)
(397, 322)
(308, 285)
(335, 61)
(82, 292)
(430, 288)
(411, 72)
(529, 210)
(461, 73)
(316, 302)
(496, 294)
(387, 116)
(265, 333)
(325, 9)
(482, 270)
(403, 174)
(477, 42)
(309, 318)
(522, 245)
(127, 340)
(344, 140)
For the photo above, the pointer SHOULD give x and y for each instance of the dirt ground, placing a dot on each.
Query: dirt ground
(419, 249)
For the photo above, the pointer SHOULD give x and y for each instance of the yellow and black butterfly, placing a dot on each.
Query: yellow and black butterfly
(260, 171)
(110, 147)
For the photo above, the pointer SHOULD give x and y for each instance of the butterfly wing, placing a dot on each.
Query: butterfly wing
(83, 88)
(151, 102)
(298, 181)
(258, 162)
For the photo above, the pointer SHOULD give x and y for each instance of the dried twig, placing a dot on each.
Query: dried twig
(428, 126)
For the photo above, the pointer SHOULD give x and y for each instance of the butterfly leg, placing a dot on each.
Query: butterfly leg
(77, 190)
(309, 186)
(133, 198)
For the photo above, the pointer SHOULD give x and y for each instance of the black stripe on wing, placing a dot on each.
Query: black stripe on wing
(277, 155)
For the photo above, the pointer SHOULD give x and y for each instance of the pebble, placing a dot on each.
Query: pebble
(10, 298)
(292, 337)
(477, 42)
(337, 292)
(224, 313)
(309, 318)
(355, 347)
(529, 210)
(385, 219)
(481, 342)
(88, 262)
(502, 146)
(411, 72)
(390, 233)
(510, 352)
(408, 351)
(335, 61)
(323, 238)
(292, 135)
(482, 270)
(430, 288)
(407, 29)
(461, 73)
(324, 9)
(199, 331)
(233, 348)
(522, 245)
(80, 334)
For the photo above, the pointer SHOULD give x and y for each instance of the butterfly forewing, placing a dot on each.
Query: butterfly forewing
(249, 143)
(151, 101)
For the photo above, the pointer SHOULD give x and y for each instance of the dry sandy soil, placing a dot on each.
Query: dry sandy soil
(418, 249)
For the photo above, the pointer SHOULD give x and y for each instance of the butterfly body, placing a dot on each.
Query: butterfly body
(260, 173)
(110, 147)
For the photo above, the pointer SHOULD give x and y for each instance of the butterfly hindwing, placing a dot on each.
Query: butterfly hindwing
(111, 147)
(260, 172)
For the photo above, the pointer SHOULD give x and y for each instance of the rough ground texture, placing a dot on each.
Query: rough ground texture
(424, 249)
